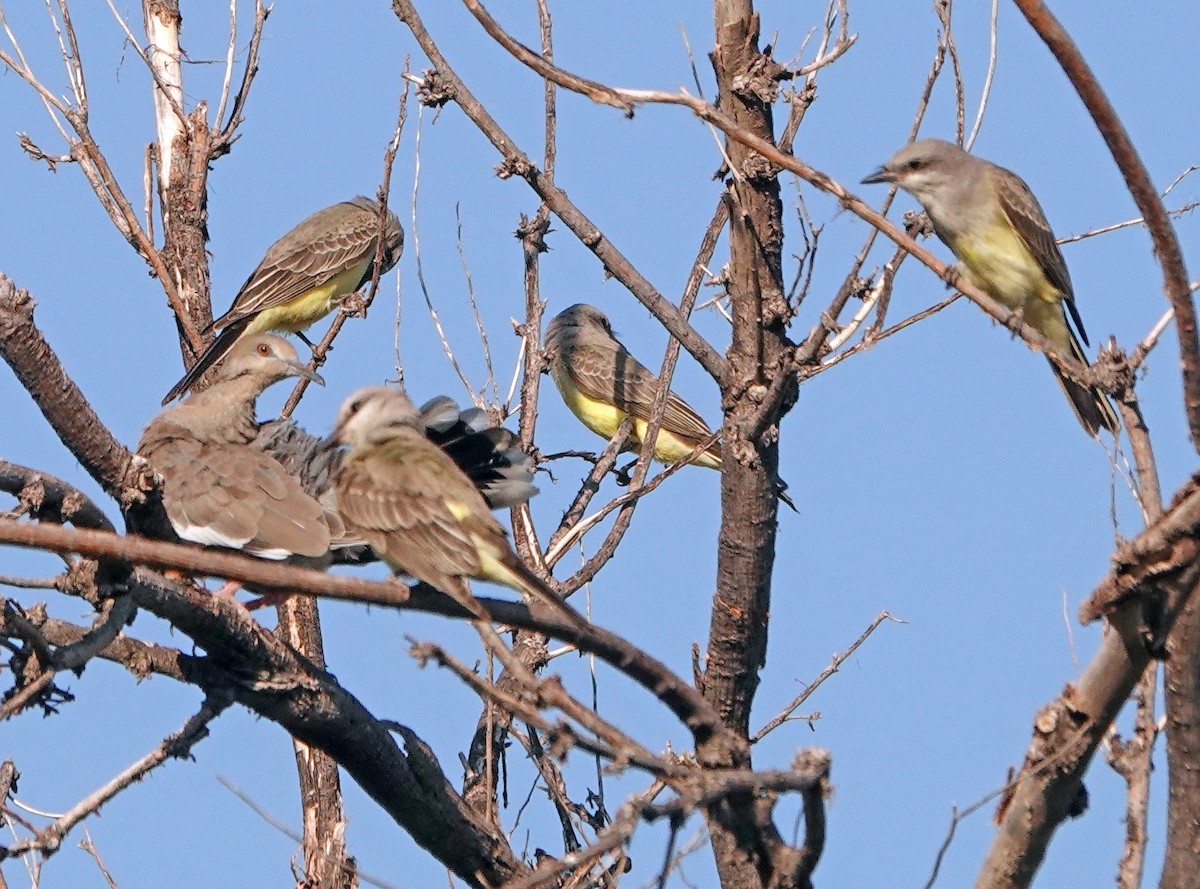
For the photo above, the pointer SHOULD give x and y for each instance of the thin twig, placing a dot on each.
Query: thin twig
(834, 665)
(174, 746)
(993, 33)
(292, 835)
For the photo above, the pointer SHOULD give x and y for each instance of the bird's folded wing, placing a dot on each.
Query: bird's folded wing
(1027, 217)
(613, 376)
(407, 521)
(237, 498)
(296, 268)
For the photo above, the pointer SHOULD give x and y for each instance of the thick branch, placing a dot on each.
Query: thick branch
(748, 848)
(1182, 693)
(41, 373)
(327, 863)
(1161, 565)
(688, 705)
(51, 498)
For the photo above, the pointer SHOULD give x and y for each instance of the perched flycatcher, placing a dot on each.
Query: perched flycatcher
(298, 282)
(995, 227)
(603, 384)
(408, 499)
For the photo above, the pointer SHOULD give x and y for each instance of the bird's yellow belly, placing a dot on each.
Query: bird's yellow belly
(300, 312)
(604, 419)
(601, 418)
(1002, 265)
(668, 447)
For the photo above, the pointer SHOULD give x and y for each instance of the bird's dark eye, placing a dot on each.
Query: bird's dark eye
(264, 349)
(915, 164)
(354, 407)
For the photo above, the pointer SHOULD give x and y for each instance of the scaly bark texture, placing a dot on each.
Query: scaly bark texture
(1182, 691)
(185, 222)
(327, 864)
(737, 642)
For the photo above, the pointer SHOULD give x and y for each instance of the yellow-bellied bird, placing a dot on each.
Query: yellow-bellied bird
(993, 224)
(489, 454)
(419, 512)
(298, 282)
(603, 384)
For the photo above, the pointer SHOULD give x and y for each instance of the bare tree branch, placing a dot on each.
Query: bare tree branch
(444, 86)
(1141, 188)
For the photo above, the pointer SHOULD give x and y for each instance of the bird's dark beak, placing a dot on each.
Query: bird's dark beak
(883, 174)
(303, 370)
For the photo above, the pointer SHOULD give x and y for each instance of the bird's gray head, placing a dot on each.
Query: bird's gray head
(926, 169)
(578, 322)
(373, 410)
(393, 234)
(265, 358)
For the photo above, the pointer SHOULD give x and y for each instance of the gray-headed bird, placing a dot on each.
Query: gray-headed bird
(489, 454)
(417, 509)
(328, 255)
(603, 384)
(993, 224)
(217, 489)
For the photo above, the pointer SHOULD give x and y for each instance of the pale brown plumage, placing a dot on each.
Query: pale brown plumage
(489, 454)
(420, 513)
(217, 489)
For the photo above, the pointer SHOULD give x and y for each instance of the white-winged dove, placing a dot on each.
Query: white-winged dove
(217, 489)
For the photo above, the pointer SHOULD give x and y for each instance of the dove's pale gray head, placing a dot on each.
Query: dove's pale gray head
(264, 357)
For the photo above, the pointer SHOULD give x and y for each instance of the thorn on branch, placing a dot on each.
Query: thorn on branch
(917, 224)
(532, 232)
(354, 305)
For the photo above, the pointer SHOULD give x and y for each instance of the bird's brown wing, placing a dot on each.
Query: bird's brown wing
(1026, 216)
(614, 376)
(321, 247)
(233, 496)
(397, 497)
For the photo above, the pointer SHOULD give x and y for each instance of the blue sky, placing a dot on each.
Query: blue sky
(940, 476)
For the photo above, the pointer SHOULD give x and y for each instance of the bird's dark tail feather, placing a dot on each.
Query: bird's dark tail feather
(781, 492)
(214, 353)
(1091, 406)
(489, 455)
